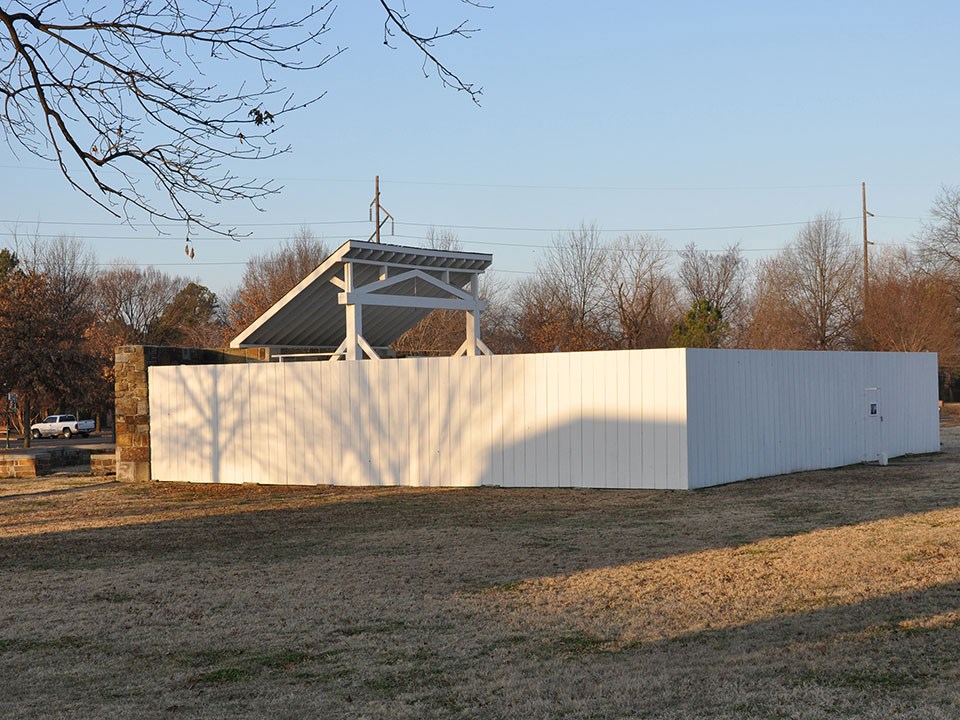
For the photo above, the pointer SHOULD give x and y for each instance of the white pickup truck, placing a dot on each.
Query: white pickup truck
(65, 425)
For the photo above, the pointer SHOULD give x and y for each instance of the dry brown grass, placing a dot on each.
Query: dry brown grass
(806, 596)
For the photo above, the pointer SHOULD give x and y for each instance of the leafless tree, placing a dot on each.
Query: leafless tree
(566, 304)
(176, 91)
(718, 279)
(939, 241)
(130, 300)
(397, 23)
(642, 290)
(808, 296)
(68, 265)
(573, 272)
(497, 319)
(911, 308)
(271, 275)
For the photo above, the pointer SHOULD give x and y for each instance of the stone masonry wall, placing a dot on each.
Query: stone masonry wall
(132, 396)
(132, 413)
(23, 465)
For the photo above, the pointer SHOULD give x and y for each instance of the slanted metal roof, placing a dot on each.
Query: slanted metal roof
(311, 316)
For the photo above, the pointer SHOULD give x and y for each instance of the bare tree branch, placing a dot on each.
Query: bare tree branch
(808, 295)
(398, 22)
(176, 90)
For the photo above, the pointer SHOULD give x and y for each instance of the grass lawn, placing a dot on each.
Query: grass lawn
(833, 593)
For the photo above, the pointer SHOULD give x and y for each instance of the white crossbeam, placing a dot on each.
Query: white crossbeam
(412, 301)
(382, 284)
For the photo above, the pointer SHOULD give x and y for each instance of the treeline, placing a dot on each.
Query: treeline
(62, 314)
(811, 295)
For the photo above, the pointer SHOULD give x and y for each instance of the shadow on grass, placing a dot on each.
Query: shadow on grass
(369, 597)
(513, 533)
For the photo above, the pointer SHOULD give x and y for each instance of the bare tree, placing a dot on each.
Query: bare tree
(573, 273)
(911, 308)
(939, 241)
(808, 296)
(68, 265)
(191, 319)
(113, 91)
(642, 290)
(497, 319)
(270, 276)
(131, 300)
(717, 280)
(566, 305)
(397, 23)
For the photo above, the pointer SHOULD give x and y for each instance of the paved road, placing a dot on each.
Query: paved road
(102, 441)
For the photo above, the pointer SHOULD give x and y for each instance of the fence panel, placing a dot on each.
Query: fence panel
(625, 419)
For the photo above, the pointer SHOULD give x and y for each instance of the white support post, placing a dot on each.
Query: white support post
(354, 351)
(470, 345)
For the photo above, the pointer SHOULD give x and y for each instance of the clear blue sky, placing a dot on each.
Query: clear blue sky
(631, 115)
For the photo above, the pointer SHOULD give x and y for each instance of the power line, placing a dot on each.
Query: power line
(491, 228)
(694, 228)
(527, 186)
(179, 225)
(128, 238)
(615, 188)
(190, 263)
(484, 243)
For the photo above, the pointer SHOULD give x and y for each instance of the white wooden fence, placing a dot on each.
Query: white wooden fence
(758, 413)
(627, 419)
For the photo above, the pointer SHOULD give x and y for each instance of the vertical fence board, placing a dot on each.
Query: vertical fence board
(673, 416)
(377, 405)
(226, 410)
(563, 399)
(432, 401)
(315, 444)
(551, 419)
(589, 477)
(517, 422)
(258, 420)
(623, 419)
(575, 420)
(414, 416)
(159, 459)
(493, 391)
(296, 419)
(538, 428)
(635, 416)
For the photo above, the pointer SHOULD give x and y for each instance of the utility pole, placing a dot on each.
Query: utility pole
(375, 204)
(866, 244)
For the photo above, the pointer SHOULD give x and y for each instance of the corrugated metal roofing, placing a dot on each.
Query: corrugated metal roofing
(310, 315)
